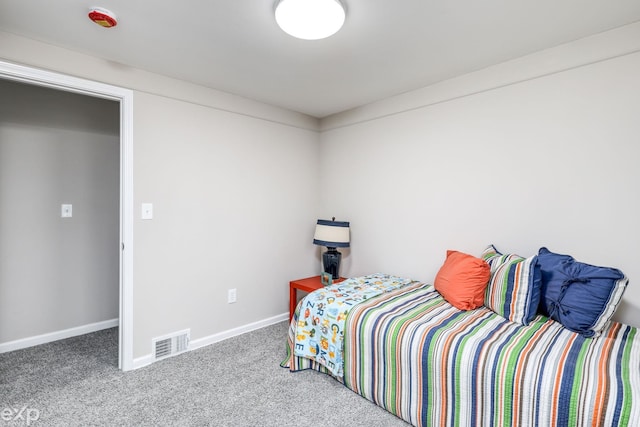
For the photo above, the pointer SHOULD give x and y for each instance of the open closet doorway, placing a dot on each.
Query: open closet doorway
(114, 141)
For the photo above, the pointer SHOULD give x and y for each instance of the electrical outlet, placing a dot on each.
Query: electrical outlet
(66, 211)
(231, 296)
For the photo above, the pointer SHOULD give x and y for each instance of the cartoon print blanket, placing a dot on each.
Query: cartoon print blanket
(321, 320)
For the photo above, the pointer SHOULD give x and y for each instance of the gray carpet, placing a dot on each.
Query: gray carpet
(236, 382)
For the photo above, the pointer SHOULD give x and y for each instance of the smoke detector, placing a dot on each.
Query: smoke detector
(103, 17)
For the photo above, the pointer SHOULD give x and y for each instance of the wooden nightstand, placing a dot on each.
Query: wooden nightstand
(309, 284)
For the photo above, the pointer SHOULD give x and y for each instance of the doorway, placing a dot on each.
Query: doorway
(124, 98)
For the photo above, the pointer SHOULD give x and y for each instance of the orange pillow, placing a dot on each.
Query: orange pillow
(462, 280)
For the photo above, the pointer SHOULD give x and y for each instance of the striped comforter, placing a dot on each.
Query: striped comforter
(425, 361)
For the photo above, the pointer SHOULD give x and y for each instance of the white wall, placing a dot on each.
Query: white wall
(56, 274)
(542, 151)
(232, 182)
(234, 207)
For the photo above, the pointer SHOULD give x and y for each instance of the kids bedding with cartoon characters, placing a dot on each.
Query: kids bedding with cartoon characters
(499, 340)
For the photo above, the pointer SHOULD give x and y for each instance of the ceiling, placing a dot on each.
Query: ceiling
(386, 47)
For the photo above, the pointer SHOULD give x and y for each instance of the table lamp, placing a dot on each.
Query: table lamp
(332, 234)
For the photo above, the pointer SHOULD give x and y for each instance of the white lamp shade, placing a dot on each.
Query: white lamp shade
(332, 234)
(310, 19)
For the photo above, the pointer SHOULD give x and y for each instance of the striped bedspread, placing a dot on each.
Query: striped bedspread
(423, 360)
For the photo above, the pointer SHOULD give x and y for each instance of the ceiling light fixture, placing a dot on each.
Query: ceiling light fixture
(310, 19)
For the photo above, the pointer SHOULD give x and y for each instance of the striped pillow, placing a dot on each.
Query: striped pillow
(514, 287)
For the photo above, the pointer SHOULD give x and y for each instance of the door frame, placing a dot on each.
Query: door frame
(34, 76)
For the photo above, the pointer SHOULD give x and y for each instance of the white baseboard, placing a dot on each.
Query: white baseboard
(58, 335)
(141, 362)
(221, 336)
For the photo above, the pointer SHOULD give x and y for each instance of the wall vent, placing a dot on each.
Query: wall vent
(170, 345)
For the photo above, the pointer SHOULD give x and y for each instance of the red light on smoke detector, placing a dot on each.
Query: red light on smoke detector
(103, 17)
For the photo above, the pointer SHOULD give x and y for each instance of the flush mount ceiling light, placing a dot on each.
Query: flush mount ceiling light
(310, 19)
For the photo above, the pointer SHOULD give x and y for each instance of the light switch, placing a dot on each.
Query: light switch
(66, 211)
(147, 211)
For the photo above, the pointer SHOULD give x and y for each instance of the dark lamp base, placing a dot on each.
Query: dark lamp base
(331, 262)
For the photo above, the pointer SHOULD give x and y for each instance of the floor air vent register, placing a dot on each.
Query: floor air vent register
(170, 345)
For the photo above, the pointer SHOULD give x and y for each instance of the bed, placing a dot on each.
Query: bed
(403, 346)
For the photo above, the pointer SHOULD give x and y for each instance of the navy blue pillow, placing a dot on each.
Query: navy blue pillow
(582, 297)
